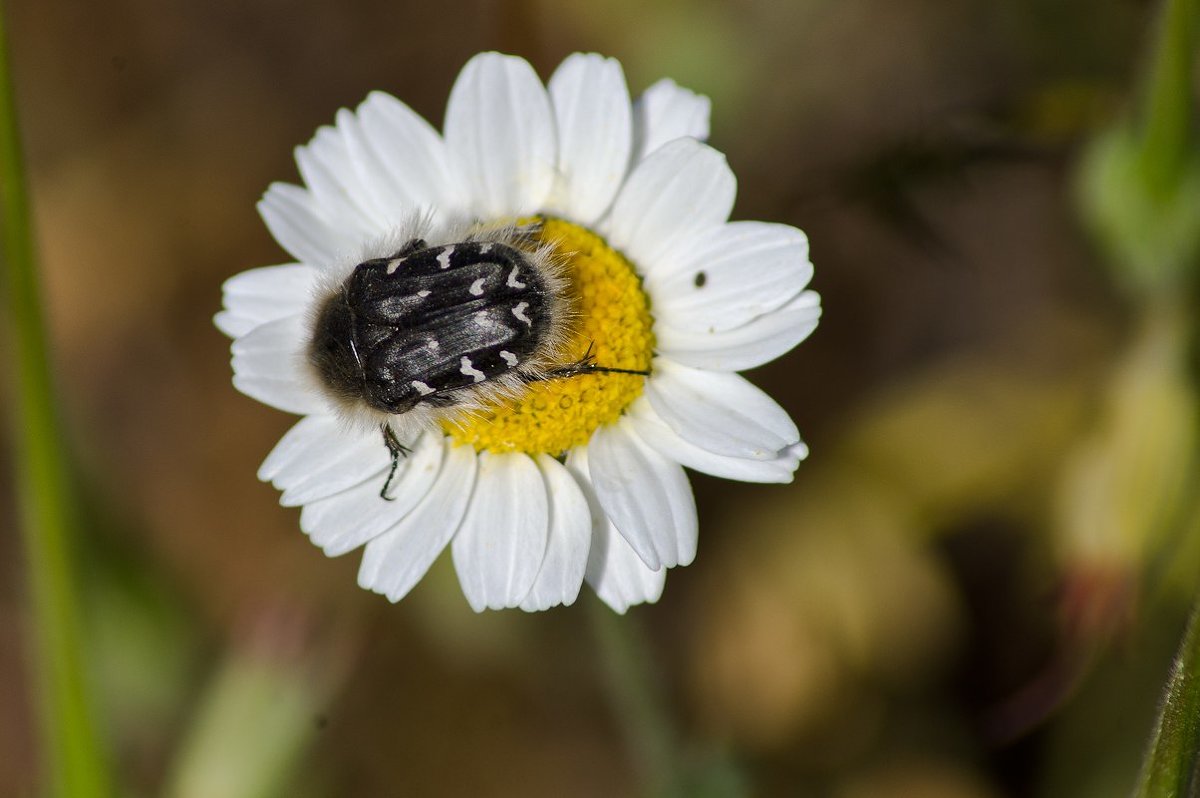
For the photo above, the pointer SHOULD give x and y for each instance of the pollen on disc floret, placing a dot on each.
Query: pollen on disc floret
(612, 320)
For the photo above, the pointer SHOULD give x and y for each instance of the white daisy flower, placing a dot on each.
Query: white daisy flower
(552, 479)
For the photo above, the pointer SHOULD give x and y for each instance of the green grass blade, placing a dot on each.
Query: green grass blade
(74, 764)
(1169, 770)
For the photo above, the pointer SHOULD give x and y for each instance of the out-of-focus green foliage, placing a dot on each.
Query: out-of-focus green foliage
(1130, 488)
(1150, 228)
(1131, 494)
(75, 762)
(255, 720)
(1141, 179)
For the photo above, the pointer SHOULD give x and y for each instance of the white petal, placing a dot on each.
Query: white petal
(719, 411)
(595, 135)
(340, 184)
(665, 112)
(300, 227)
(730, 276)
(683, 189)
(654, 431)
(260, 295)
(561, 573)
(268, 364)
(500, 128)
(396, 560)
(502, 542)
(414, 170)
(618, 575)
(646, 496)
(351, 459)
(320, 457)
(349, 519)
(378, 188)
(614, 570)
(288, 460)
(750, 345)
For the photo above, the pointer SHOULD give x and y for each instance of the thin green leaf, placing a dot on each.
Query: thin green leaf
(1170, 768)
(73, 762)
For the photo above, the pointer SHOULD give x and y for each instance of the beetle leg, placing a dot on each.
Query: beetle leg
(396, 450)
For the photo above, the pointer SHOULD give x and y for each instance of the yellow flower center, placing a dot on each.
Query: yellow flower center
(613, 318)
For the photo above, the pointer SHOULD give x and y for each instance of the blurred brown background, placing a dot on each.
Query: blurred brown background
(908, 618)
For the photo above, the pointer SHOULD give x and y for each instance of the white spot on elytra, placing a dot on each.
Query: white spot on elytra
(509, 357)
(512, 279)
(393, 265)
(443, 257)
(470, 371)
(433, 344)
(422, 388)
(476, 288)
(485, 248)
(423, 293)
(519, 312)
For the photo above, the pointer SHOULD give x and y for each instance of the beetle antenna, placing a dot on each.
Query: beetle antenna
(587, 365)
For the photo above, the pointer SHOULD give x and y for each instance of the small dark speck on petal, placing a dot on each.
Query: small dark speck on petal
(701, 279)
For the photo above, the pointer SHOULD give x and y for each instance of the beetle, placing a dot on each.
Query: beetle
(430, 329)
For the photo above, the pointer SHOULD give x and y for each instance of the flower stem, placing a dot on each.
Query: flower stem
(1172, 762)
(1167, 112)
(637, 701)
(74, 764)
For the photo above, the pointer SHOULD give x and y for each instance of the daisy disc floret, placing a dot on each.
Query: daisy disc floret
(511, 337)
